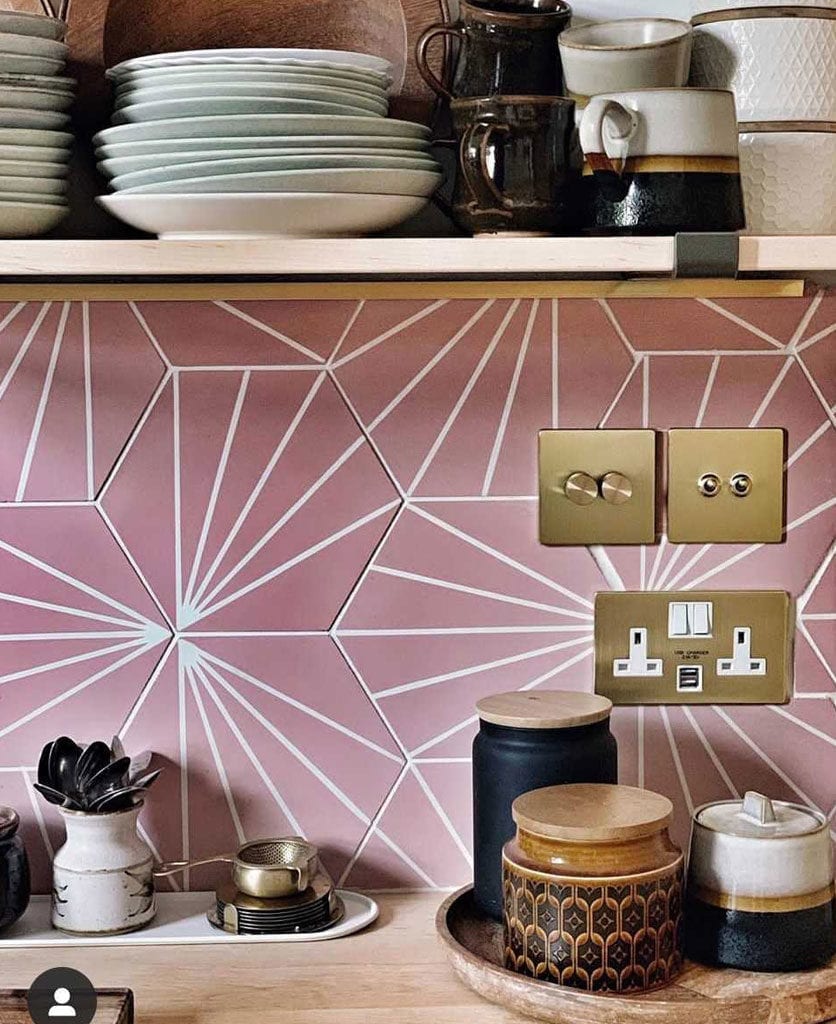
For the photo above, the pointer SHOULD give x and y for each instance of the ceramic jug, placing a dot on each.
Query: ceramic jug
(102, 880)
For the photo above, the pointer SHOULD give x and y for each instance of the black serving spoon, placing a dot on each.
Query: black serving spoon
(93, 759)
(116, 800)
(63, 759)
(44, 777)
(111, 777)
(54, 797)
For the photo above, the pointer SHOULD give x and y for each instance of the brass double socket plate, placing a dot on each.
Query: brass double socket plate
(595, 453)
(726, 518)
(727, 647)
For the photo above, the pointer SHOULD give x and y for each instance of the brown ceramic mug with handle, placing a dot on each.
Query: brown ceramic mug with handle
(519, 165)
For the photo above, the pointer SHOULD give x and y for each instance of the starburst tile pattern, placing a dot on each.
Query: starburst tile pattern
(74, 379)
(288, 544)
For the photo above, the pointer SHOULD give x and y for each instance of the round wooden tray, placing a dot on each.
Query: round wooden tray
(701, 995)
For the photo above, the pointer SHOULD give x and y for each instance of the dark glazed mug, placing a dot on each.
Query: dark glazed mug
(14, 870)
(659, 161)
(511, 51)
(519, 165)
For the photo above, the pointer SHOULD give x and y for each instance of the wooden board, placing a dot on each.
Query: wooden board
(115, 1006)
(702, 995)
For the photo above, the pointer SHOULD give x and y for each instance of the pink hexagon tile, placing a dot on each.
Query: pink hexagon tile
(263, 333)
(250, 500)
(462, 601)
(267, 735)
(454, 393)
(74, 380)
(79, 635)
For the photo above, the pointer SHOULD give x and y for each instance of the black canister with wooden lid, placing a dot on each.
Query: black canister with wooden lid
(527, 740)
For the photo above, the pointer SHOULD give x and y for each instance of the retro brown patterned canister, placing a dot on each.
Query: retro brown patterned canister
(593, 888)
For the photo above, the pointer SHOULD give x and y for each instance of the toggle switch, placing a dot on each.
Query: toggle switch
(638, 663)
(741, 662)
(689, 618)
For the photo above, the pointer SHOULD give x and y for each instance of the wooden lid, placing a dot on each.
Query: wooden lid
(592, 813)
(544, 709)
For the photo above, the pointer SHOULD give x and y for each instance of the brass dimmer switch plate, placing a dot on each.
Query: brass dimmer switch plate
(726, 486)
(694, 647)
(597, 486)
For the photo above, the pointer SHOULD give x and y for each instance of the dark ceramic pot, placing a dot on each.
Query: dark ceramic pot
(528, 740)
(14, 870)
(512, 51)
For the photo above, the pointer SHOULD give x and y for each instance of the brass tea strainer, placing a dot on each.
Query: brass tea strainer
(265, 868)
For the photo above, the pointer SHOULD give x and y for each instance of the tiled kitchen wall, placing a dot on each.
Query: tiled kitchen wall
(288, 544)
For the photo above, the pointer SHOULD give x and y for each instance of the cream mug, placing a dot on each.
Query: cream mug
(633, 53)
(659, 161)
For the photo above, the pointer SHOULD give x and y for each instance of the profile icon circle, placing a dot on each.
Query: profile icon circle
(61, 994)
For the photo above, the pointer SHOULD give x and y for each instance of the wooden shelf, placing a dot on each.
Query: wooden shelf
(389, 258)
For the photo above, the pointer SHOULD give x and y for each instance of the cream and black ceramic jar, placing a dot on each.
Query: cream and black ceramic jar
(593, 889)
(760, 886)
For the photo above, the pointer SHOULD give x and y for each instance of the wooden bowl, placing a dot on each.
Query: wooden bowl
(386, 28)
(701, 995)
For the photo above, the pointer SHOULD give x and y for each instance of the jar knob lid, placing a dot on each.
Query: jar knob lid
(758, 808)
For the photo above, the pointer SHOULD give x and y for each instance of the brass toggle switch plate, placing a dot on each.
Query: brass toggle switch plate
(726, 517)
(625, 510)
(694, 668)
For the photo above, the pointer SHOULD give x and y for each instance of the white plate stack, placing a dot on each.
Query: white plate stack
(261, 143)
(35, 99)
(780, 62)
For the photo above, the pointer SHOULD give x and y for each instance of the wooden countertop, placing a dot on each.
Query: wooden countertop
(392, 973)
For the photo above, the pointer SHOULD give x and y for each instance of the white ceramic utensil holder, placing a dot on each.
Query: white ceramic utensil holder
(102, 881)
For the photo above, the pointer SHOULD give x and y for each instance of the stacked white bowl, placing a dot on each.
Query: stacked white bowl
(261, 143)
(35, 99)
(780, 61)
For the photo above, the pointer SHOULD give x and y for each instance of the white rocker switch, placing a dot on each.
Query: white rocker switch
(741, 663)
(638, 663)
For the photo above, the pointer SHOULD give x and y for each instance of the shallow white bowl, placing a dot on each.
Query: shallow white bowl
(780, 69)
(40, 138)
(282, 74)
(26, 220)
(180, 150)
(330, 59)
(20, 64)
(32, 46)
(260, 125)
(789, 182)
(35, 99)
(384, 181)
(16, 117)
(47, 164)
(165, 110)
(36, 185)
(144, 170)
(288, 215)
(12, 196)
(376, 104)
(707, 6)
(39, 25)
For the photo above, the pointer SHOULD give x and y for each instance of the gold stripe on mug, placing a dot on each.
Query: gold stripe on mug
(763, 904)
(669, 164)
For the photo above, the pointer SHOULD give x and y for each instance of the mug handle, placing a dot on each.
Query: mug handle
(421, 47)
(473, 160)
(623, 123)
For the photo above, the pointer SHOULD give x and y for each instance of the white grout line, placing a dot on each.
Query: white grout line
(352, 320)
(816, 389)
(184, 766)
(465, 630)
(804, 597)
(712, 753)
(771, 392)
(255, 493)
(463, 588)
(706, 395)
(24, 348)
(149, 334)
(88, 400)
(464, 395)
(442, 814)
(802, 628)
(269, 331)
(370, 831)
(811, 311)
(220, 472)
(37, 423)
(509, 400)
(677, 760)
(803, 725)
(721, 311)
(618, 395)
(616, 325)
(63, 609)
(389, 333)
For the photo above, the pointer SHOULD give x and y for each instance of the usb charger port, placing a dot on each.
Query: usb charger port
(689, 678)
